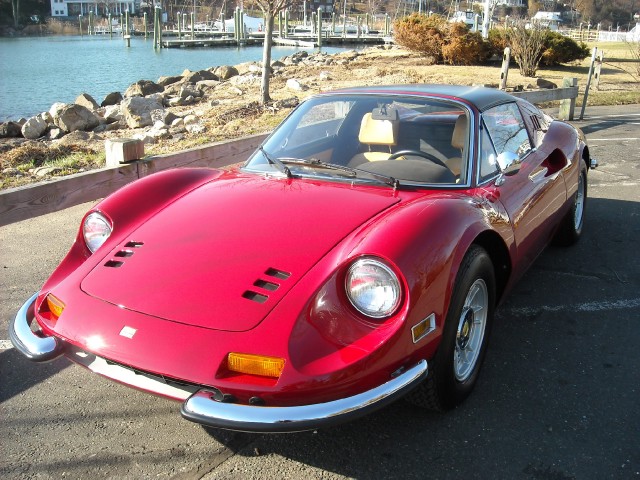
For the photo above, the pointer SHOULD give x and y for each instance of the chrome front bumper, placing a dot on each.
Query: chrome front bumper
(27, 342)
(202, 408)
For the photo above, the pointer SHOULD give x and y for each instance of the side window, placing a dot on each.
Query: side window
(488, 157)
(507, 130)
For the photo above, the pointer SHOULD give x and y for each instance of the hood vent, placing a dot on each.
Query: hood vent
(126, 252)
(113, 264)
(272, 272)
(266, 285)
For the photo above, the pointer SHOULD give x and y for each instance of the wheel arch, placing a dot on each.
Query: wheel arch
(495, 247)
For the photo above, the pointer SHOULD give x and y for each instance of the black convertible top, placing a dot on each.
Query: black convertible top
(482, 98)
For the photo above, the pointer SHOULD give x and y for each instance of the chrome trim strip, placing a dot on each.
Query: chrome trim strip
(201, 408)
(32, 346)
(127, 376)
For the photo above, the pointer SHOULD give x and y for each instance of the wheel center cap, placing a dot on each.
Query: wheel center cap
(464, 332)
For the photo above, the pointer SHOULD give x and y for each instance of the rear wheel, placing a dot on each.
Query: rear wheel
(571, 226)
(454, 370)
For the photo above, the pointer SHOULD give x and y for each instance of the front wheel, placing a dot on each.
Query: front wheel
(571, 226)
(454, 370)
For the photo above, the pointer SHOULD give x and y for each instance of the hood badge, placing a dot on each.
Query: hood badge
(128, 332)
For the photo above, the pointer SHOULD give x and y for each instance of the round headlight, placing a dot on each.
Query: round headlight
(95, 229)
(373, 289)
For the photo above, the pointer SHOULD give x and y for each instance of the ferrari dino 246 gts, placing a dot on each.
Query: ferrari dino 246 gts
(356, 257)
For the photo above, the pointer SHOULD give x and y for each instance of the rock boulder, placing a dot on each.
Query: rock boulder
(35, 127)
(10, 129)
(75, 117)
(137, 110)
(112, 98)
(86, 100)
(225, 72)
(143, 88)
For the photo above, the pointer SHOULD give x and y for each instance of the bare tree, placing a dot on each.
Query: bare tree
(15, 8)
(373, 6)
(270, 9)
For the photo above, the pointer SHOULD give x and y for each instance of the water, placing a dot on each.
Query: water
(39, 71)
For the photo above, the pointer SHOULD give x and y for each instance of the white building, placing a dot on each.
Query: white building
(73, 8)
(550, 20)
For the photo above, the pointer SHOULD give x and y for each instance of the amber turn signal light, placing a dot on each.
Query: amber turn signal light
(255, 364)
(55, 306)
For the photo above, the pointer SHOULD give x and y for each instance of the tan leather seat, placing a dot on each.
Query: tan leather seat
(379, 136)
(458, 141)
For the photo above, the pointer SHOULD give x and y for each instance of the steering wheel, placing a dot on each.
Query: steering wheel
(418, 153)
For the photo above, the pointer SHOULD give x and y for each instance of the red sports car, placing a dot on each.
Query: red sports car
(356, 257)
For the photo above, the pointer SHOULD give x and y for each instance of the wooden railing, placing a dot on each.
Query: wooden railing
(20, 203)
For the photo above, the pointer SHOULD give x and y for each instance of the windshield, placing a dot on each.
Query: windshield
(370, 138)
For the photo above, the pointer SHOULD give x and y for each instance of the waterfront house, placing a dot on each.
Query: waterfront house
(73, 8)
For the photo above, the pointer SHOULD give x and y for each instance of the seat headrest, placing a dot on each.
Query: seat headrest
(460, 133)
(378, 132)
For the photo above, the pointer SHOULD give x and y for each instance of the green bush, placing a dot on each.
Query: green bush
(560, 49)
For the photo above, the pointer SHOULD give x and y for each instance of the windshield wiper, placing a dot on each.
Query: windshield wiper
(354, 172)
(314, 162)
(320, 164)
(388, 179)
(276, 162)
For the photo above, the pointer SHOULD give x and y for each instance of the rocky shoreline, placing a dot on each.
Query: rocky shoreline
(165, 112)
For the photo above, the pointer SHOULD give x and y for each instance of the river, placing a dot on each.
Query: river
(36, 72)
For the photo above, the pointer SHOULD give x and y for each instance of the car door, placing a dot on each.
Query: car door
(532, 193)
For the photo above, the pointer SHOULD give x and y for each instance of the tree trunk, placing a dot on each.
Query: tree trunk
(15, 6)
(266, 58)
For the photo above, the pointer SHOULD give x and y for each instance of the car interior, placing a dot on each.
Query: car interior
(423, 141)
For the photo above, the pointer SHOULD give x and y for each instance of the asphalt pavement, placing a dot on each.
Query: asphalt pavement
(558, 397)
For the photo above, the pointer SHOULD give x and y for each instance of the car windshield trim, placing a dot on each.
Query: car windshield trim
(465, 181)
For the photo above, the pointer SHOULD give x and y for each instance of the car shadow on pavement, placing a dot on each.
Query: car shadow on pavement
(18, 374)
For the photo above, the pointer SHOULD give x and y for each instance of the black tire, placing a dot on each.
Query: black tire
(570, 228)
(454, 370)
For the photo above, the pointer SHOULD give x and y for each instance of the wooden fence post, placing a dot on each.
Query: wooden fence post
(568, 105)
(504, 73)
(596, 74)
(586, 89)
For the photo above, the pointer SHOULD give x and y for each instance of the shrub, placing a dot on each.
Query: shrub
(422, 34)
(497, 42)
(561, 49)
(463, 47)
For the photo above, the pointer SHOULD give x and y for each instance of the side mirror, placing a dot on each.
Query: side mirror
(509, 163)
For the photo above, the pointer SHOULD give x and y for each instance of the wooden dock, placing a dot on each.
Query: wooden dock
(294, 42)
(209, 42)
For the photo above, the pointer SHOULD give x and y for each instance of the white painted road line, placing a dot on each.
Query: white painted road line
(580, 307)
(589, 139)
(5, 345)
(617, 115)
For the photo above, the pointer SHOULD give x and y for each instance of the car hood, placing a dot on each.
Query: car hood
(224, 255)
